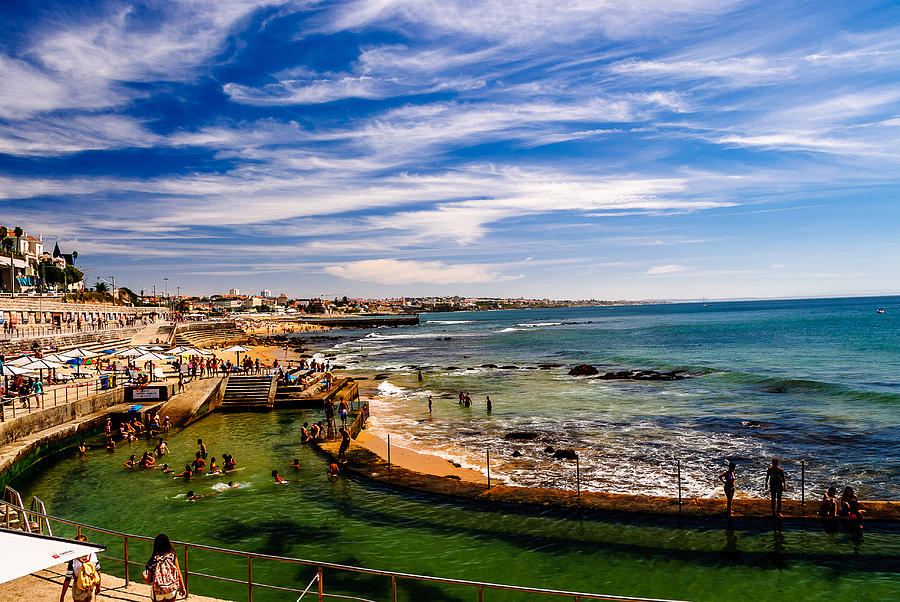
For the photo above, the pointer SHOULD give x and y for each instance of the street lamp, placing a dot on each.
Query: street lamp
(113, 278)
(166, 280)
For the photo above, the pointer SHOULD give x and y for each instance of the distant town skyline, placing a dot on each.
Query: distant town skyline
(389, 148)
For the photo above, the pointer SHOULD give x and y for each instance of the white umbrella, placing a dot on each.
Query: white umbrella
(177, 350)
(190, 353)
(79, 353)
(237, 349)
(130, 353)
(152, 357)
(43, 364)
(8, 370)
(155, 348)
(59, 358)
(19, 361)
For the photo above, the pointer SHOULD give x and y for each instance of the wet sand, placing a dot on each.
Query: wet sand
(416, 461)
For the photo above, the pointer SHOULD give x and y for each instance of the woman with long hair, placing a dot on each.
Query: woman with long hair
(162, 572)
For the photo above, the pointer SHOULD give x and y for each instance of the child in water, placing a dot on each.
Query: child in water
(187, 473)
(278, 478)
(130, 463)
(165, 468)
(213, 467)
(230, 462)
(334, 470)
(295, 464)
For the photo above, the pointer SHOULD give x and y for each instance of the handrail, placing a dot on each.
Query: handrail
(320, 566)
(14, 496)
(37, 506)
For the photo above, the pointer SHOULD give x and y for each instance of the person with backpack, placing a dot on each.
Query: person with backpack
(84, 575)
(162, 572)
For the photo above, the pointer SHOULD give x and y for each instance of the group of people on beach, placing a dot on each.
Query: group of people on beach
(831, 509)
(465, 400)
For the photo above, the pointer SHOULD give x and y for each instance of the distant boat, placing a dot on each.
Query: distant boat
(880, 310)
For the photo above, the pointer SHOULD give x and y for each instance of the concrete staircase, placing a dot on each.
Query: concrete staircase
(203, 335)
(249, 393)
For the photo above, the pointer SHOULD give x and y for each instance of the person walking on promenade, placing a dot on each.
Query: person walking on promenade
(727, 479)
(84, 571)
(162, 572)
(776, 484)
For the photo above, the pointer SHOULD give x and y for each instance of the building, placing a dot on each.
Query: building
(18, 260)
(252, 302)
(234, 291)
(265, 293)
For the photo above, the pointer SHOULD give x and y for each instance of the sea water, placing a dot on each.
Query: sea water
(815, 383)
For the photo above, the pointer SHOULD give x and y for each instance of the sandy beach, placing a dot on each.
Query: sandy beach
(416, 461)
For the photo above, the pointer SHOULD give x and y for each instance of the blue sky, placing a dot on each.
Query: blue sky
(603, 149)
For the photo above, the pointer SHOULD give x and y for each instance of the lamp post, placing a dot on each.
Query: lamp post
(166, 280)
(113, 278)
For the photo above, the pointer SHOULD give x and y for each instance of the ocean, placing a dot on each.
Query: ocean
(815, 383)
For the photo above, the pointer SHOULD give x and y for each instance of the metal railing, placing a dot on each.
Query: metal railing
(479, 587)
(25, 331)
(10, 407)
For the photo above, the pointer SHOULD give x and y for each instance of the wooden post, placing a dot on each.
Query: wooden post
(321, 586)
(125, 543)
(389, 451)
(250, 577)
(489, 468)
(187, 589)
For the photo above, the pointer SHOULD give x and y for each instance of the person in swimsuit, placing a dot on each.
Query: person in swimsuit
(110, 444)
(304, 434)
(199, 464)
(277, 477)
(296, 464)
(187, 473)
(213, 467)
(131, 462)
(490, 404)
(727, 479)
(230, 462)
(334, 470)
(161, 449)
(851, 510)
(165, 468)
(202, 451)
(147, 461)
(828, 510)
(82, 449)
(345, 445)
(776, 484)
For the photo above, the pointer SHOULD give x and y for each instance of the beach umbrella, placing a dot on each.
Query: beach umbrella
(133, 352)
(43, 364)
(237, 350)
(152, 357)
(109, 351)
(20, 361)
(59, 358)
(177, 350)
(190, 353)
(8, 370)
(79, 353)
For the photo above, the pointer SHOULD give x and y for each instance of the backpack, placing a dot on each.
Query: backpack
(88, 577)
(165, 575)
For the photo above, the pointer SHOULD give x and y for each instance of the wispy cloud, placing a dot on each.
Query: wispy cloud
(393, 271)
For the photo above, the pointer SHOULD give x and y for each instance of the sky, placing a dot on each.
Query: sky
(606, 149)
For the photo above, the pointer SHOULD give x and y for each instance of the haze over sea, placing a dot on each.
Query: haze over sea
(810, 380)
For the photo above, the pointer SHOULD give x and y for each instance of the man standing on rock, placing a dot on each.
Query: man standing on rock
(776, 484)
(345, 444)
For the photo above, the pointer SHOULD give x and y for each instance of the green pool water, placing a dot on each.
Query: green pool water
(354, 521)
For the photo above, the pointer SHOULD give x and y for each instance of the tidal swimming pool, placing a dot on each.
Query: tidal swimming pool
(355, 521)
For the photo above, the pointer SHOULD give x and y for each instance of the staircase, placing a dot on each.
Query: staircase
(203, 335)
(244, 393)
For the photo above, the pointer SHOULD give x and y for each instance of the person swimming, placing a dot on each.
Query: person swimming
(147, 461)
(82, 449)
(110, 443)
(334, 470)
(187, 473)
(278, 478)
(230, 462)
(295, 464)
(161, 449)
(131, 462)
(199, 464)
(165, 468)
(213, 467)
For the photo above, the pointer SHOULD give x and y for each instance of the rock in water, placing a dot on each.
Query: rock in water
(565, 454)
(549, 450)
(520, 436)
(583, 370)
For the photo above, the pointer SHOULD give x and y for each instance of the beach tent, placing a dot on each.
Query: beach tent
(133, 352)
(43, 364)
(20, 361)
(22, 553)
(83, 353)
(177, 350)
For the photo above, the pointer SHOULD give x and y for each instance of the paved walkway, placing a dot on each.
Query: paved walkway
(47, 584)
(149, 334)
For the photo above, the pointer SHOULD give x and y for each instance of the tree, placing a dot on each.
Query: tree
(101, 287)
(73, 274)
(127, 293)
(8, 244)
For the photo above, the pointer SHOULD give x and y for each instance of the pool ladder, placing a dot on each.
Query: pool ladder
(14, 516)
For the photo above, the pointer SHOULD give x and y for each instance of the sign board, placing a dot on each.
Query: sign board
(150, 393)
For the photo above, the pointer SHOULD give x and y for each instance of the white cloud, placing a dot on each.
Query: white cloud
(303, 92)
(666, 269)
(395, 271)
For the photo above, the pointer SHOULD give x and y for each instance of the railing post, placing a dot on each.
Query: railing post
(125, 540)
(250, 577)
(679, 485)
(577, 476)
(393, 588)
(187, 589)
(389, 450)
(802, 482)
(480, 593)
(321, 586)
(489, 468)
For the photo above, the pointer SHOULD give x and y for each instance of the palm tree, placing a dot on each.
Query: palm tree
(101, 287)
